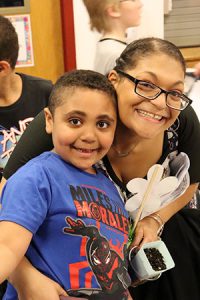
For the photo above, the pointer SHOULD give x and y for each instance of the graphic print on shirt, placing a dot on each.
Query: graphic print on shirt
(9, 139)
(106, 264)
(105, 258)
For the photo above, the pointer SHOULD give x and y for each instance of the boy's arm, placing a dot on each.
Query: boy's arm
(14, 241)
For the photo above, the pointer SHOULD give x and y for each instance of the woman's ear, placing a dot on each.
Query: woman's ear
(113, 77)
(48, 120)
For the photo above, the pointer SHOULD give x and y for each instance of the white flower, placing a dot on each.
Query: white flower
(150, 191)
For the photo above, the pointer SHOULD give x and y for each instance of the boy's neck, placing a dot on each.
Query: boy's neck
(117, 32)
(10, 89)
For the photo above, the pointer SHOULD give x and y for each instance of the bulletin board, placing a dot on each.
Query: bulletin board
(11, 7)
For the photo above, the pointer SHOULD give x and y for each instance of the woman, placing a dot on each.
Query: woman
(154, 125)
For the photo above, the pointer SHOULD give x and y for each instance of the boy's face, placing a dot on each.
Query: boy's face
(83, 127)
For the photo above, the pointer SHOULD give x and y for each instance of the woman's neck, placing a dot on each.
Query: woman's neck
(127, 142)
(131, 156)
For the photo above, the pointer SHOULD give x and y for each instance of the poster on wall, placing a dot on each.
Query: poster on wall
(22, 26)
(11, 7)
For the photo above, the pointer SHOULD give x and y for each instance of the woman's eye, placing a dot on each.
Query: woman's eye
(175, 93)
(75, 122)
(103, 124)
(146, 85)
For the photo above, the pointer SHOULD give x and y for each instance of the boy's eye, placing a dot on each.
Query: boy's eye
(102, 124)
(75, 122)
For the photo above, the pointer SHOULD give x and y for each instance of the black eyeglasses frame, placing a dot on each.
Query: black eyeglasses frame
(136, 81)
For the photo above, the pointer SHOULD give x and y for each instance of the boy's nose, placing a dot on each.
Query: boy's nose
(88, 136)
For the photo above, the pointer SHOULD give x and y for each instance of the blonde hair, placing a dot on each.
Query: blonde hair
(97, 13)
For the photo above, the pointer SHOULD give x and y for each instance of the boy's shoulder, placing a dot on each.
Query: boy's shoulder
(29, 79)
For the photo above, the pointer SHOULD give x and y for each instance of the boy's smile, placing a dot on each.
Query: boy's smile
(82, 127)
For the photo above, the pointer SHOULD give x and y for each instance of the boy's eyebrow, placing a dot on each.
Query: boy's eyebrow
(105, 116)
(78, 112)
(81, 113)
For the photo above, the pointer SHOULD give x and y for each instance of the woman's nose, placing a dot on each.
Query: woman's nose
(160, 101)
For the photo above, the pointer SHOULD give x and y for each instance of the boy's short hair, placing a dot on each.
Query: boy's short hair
(71, 81)
(97, 13)
(9, 45)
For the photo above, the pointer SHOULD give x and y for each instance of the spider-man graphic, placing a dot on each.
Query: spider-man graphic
(108, 267)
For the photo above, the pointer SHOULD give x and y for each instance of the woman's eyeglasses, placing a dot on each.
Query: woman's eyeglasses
(151, 91)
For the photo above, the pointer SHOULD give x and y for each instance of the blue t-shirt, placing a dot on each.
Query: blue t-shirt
(79, 225)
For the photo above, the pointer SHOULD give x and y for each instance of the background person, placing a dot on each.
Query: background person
(111, 20)
(197, 70)
(150, 130)
(22, 96)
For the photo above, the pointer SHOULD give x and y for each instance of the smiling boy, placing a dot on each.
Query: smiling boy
(59, 208)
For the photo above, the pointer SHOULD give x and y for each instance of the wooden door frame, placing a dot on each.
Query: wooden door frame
(69, 47)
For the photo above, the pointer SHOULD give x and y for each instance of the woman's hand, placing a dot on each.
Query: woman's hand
(33, 285)
(44, 289)
(147, 228)
(146, 231)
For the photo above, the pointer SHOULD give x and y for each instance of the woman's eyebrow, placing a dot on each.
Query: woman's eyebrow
(156, 77)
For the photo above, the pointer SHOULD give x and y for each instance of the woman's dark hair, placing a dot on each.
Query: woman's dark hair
(144, 47)
(71, 81)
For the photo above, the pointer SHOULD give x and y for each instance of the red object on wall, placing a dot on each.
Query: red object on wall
(69, 48)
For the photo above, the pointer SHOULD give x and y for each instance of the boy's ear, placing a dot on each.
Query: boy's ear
(4, 66)
(48, 120)
(113, 11)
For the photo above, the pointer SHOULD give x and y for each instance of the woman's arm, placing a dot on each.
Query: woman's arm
(33, 142)
(147, 228)
(31, 284)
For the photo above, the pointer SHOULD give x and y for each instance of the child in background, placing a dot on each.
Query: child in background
(22, 96)
(59, 209)
(111, 18)
(197, 69)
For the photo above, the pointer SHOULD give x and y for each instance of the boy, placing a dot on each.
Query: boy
(66, 212)
(111, 18)
(22, 96)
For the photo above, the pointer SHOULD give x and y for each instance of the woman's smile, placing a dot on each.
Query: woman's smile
(149, 115)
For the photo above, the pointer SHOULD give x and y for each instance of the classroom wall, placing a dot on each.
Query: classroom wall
(152, 25)
(47, 40)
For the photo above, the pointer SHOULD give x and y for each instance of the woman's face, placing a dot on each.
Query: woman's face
(149, 118)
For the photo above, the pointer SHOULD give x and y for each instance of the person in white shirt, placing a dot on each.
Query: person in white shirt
(111, 18)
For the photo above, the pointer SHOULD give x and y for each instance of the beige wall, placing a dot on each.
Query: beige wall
(47, 40)
(191, 55)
